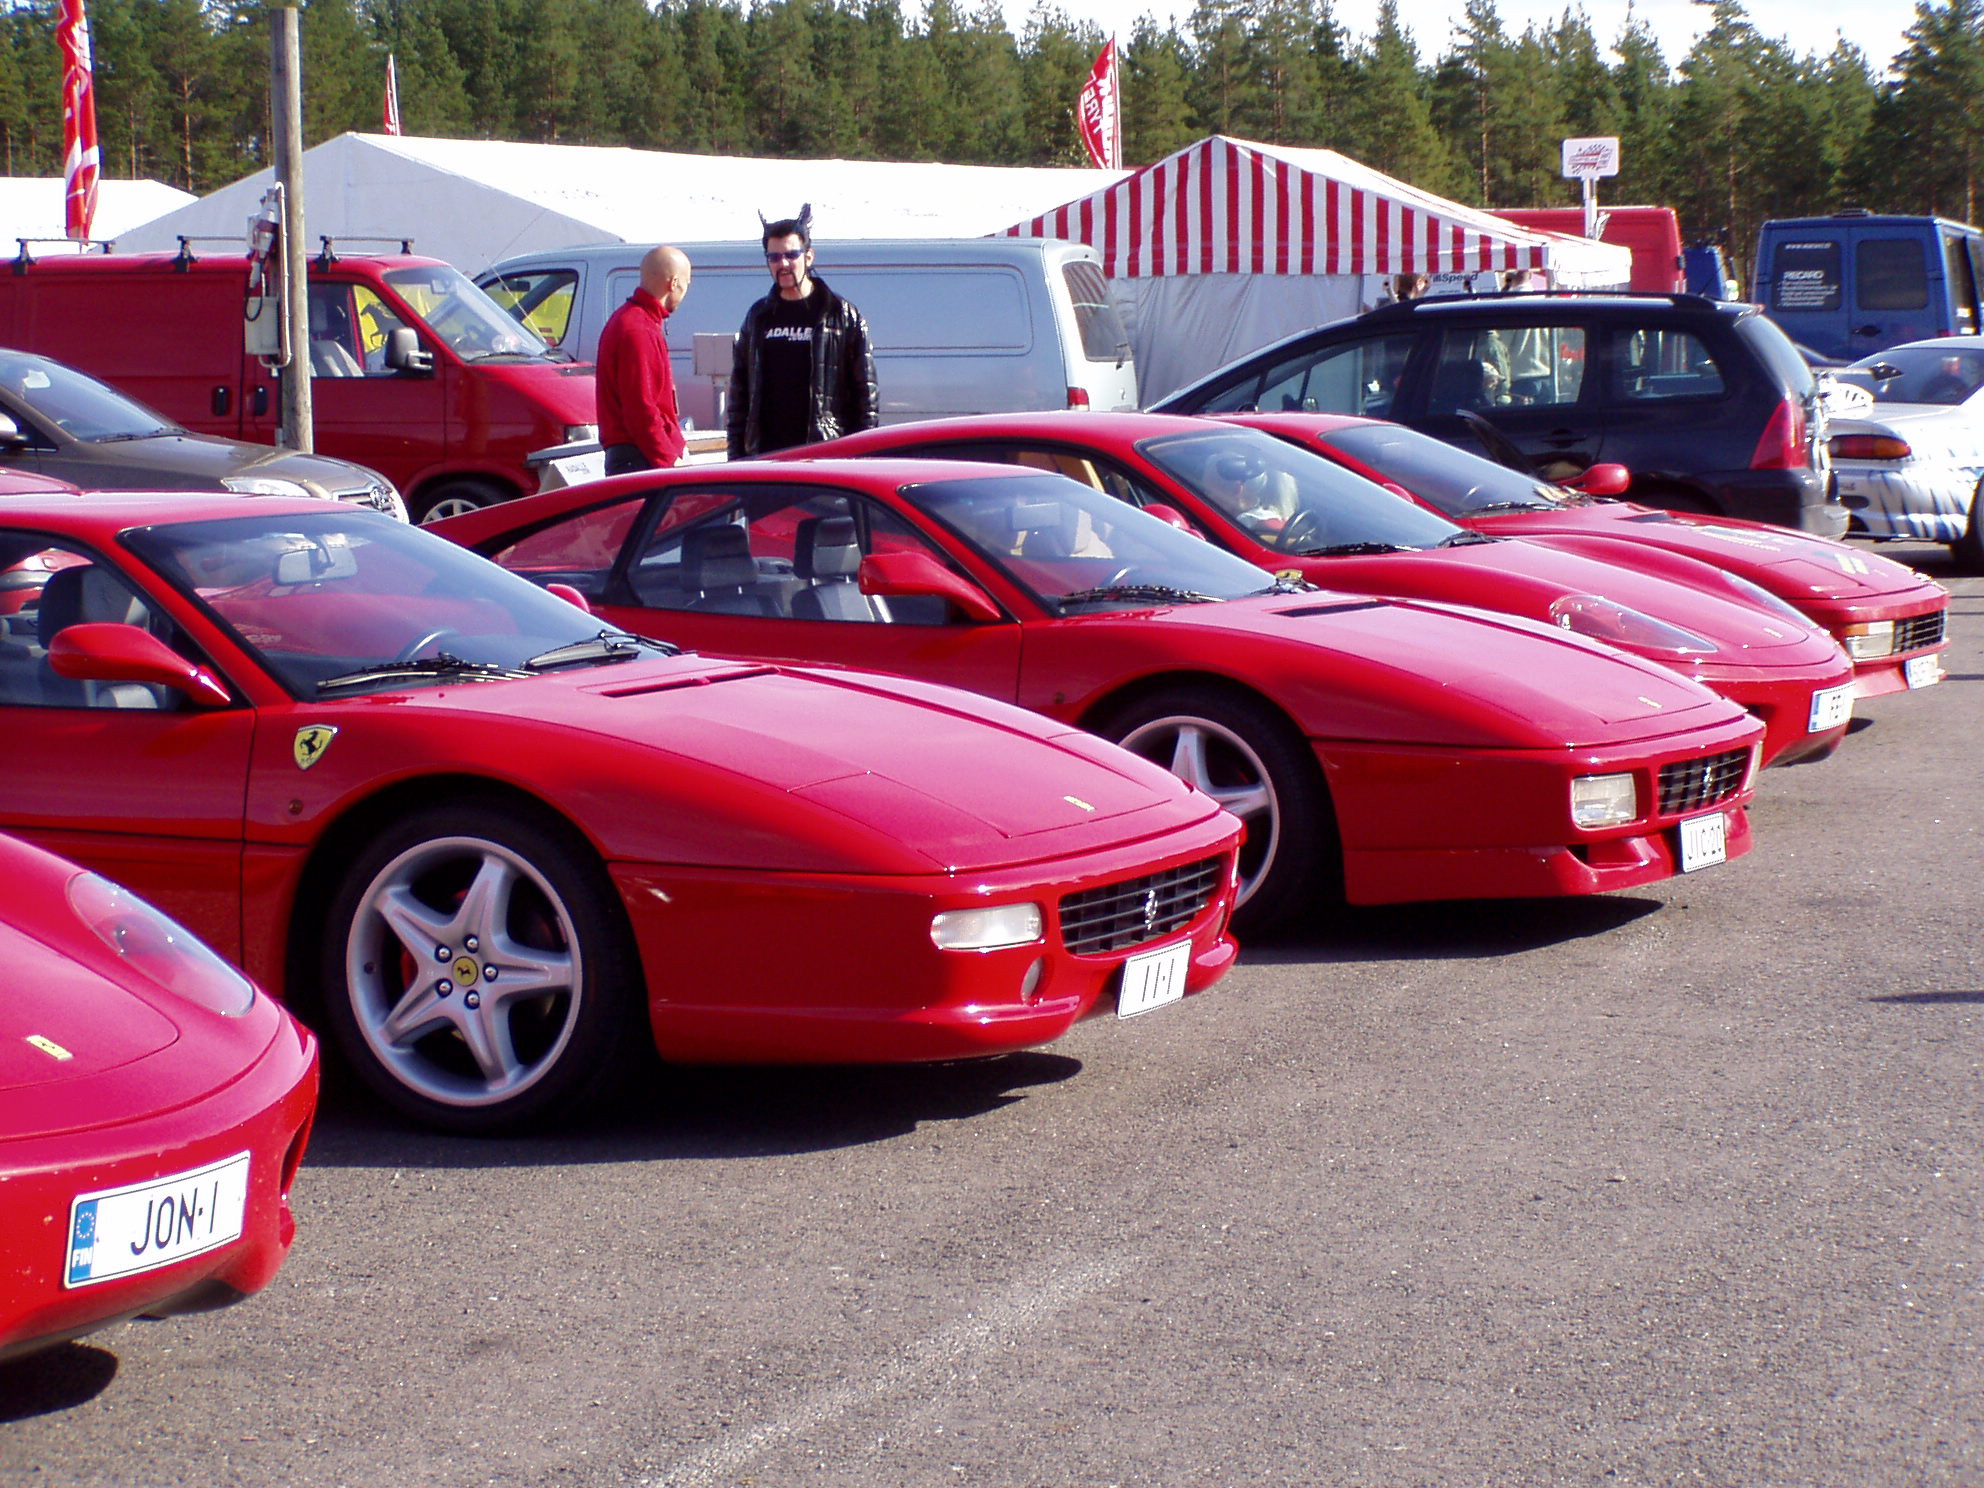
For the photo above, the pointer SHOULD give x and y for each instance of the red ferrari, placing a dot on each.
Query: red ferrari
(1288, 511)
(491, 840)
(153, 1112)
(1888, 617)
(1385, 750)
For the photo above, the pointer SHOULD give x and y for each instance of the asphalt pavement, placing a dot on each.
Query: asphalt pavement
(1680, 1186)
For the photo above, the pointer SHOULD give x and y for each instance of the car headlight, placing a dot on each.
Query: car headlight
(264, 485)
(1755, 595)
(159, 948)
(581, 433)
(987, 929)
(1604, 800)
(1868, 640)
(1622, 625)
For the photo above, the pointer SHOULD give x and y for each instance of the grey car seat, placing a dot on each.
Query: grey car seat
(827, 553)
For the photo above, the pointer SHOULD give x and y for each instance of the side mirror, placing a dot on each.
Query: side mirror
(910, 575)
(405, 354)
(105, 651)
(11, 436)
(1601, 480)
(570, 595)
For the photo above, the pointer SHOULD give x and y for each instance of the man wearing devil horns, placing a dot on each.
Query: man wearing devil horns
(802, 370)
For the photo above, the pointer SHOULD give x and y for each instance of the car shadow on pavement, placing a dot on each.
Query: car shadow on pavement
(1930, 999)
(1463, 929)
(699, 1113)
(54, 1379)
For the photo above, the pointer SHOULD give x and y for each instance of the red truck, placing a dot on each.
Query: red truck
(1652, 234)
(414, 371)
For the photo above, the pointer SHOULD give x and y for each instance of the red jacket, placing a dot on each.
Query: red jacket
(636, 384)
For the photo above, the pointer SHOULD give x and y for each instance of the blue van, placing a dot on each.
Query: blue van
(1853, 283)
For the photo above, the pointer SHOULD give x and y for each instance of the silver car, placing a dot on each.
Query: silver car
(56, 421)
(1907, 440)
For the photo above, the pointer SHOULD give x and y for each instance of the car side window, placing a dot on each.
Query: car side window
(1650, 364)
(579, 550)
(779, 555)
(43, 591)
(1359, 377)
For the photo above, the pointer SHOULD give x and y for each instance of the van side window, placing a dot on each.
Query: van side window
(1891, 274)
(541, 299)
(1806, 276)
(1103, 336)
(1651, 364)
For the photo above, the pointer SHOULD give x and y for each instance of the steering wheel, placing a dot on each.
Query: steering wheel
(1303, 530)
(413, 649)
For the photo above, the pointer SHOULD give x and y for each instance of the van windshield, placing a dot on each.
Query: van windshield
(475, 327)
(79, 406)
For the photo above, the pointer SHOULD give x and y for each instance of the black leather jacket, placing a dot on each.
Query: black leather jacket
(843, 375)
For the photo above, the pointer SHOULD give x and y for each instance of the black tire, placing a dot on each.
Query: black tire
(450, 498)
(1249, 757)
(447, 903)
(1968, 550)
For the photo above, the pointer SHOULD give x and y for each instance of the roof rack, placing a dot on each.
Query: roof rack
(1400, 309)
(328, 254)
(24, 260)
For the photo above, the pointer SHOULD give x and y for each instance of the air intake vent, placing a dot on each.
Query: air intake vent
(1120, 915)
(1689, 785)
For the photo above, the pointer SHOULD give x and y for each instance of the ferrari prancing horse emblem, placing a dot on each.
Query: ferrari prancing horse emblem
(311, 742)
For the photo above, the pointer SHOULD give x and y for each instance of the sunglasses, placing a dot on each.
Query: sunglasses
(791, 255)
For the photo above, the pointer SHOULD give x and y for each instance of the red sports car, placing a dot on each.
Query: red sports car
(493, 840)
(1887, 616)
(1396, 751)
(153, 1112)
(1286, 510)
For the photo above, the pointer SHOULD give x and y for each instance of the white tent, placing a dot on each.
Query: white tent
(1228, 245)
(31, 207)
(473, 202)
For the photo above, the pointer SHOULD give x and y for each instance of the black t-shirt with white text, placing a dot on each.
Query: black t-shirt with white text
(785, 369)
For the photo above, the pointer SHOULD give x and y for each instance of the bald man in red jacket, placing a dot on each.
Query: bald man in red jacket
(638, 424)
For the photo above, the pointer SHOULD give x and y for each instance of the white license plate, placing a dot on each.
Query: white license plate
(1830, 708)
(122, 1231)
(1923, 671)
(1154, 978)
(575, 470)
(1704, 841)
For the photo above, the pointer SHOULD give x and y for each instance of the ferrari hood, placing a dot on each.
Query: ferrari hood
(61, 1022)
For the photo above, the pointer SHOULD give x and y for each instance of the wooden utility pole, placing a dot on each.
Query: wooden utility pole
(298, 429)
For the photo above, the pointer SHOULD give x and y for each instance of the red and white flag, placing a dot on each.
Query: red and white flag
(1100, 113)
(392, 95)
(80, 157)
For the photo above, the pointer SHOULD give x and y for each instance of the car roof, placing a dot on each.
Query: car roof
(1620, 300)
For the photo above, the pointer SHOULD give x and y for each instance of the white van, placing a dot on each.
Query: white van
(959, 325)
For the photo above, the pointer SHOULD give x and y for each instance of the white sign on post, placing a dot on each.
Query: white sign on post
(1588, 159)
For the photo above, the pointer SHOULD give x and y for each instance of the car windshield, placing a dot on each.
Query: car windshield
(366, 603)
(79, 406)
(1457, 482)
(475, 326)
(1290, 500)
(1918, 374)
(1076, 550)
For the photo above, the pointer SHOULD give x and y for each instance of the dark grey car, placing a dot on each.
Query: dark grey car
(59, 422)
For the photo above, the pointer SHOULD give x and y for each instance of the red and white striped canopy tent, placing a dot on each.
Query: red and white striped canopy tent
(1227, 245)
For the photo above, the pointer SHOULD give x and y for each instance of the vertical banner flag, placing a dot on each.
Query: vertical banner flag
(1100, 114)
(80, 158)
(392, 95)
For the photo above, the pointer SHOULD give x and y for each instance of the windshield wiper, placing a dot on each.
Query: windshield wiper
(1159, 593)
(447, 664)
(1344, 550)
(1466, 539)
(1501, 506)
(119, 438)
(608, 645)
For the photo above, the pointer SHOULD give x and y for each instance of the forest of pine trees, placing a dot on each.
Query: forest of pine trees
(1742, 128)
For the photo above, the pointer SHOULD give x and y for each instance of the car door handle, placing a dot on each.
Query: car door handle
(222, 399)
(1866, 330)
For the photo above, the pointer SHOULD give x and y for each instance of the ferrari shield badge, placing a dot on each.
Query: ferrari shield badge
(311, 742)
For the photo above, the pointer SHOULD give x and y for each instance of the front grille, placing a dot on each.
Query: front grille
(1129, 913)
(1918, 631)
(1689, 785)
